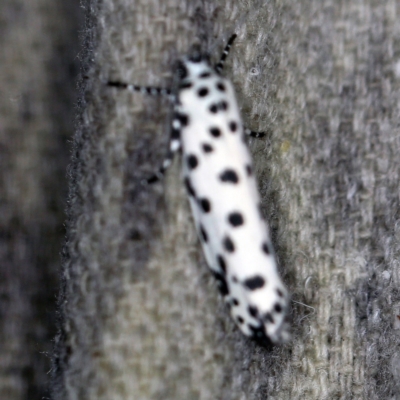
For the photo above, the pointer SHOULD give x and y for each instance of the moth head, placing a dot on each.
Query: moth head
(193, 66)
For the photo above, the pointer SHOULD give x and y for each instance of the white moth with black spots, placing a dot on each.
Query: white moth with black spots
(218, 176)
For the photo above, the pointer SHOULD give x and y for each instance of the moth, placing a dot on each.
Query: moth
(217, 172)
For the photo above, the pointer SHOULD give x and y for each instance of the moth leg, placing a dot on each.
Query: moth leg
(174, 147)
(253, 134)
(220, 66)
(152, 91)
(175, 141)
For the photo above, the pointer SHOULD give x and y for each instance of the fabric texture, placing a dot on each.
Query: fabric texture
(38, 67)
(141, 317)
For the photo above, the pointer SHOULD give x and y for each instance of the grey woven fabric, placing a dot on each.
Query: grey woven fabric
(38, 48)
(142, 318)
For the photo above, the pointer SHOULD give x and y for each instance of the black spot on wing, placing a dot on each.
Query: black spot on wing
(229, 176)
(185, 85)
(189, 187)
(236, 219)
(254, 283)
(233, 126)
(253, 311)
(205, 75)
(235, 302)
(222, 263)
(207, 148)
(279, 292)
(203, 233)
(278, 308)
(223, 105)
(192, 161)
(205, 205)
(249, 170)
(213, 108)
(221, 86)
(268, 318)
(215, 132)
(228, 244)
(202, 92)
(265, 248)
(221, 282)
(239, 319)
